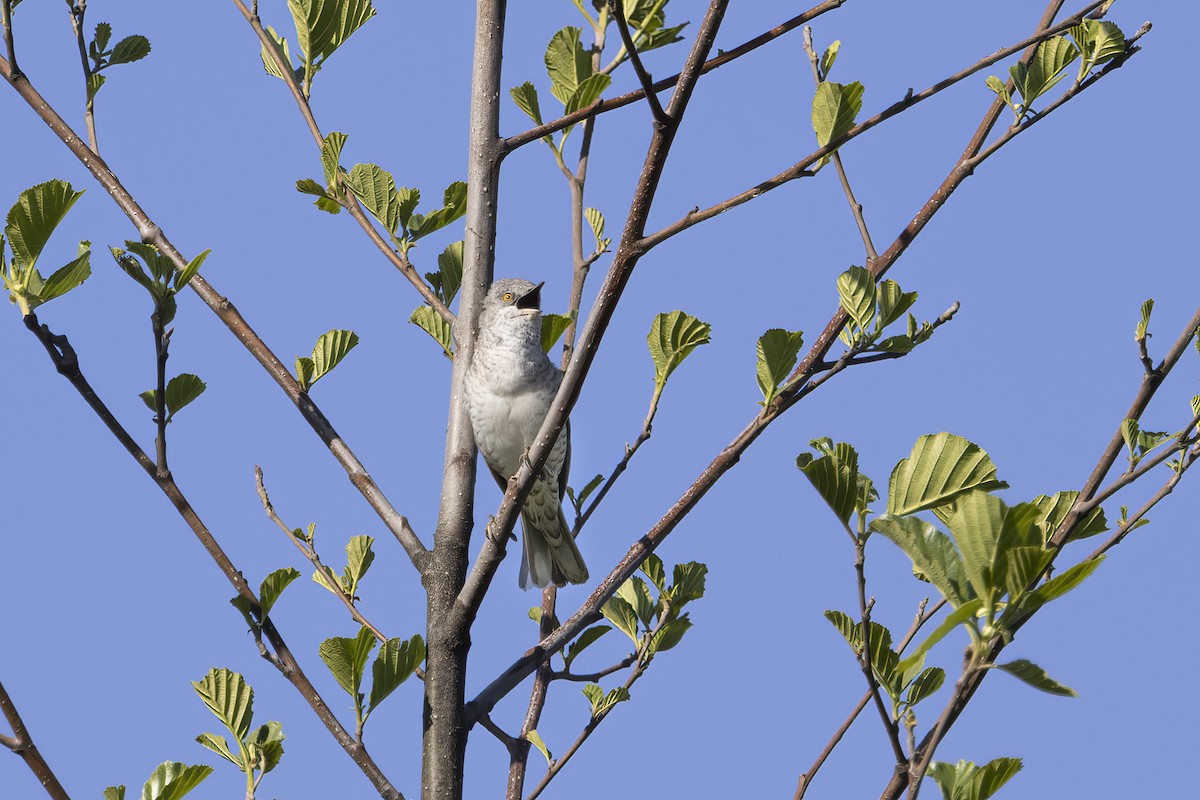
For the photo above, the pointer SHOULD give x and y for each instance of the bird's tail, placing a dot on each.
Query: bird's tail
(549, 553)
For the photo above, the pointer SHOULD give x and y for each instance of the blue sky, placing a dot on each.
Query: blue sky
(112, 607)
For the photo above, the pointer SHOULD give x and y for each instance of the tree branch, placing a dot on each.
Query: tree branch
(228, 314)
(78, 9)
(21, 742)
(612, 103)
(618, 11)
(67, 364)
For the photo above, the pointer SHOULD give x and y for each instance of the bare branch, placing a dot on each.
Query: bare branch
(228, 314)
(618, 11)
(77, 11)
(864, 659)
(21, 742)
(601, 106)
(9, 46)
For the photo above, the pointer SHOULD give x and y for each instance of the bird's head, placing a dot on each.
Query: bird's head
(512, 298)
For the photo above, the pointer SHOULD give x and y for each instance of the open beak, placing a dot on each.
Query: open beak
(532, 298)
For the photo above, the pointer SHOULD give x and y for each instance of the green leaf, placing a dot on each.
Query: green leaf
(892, 303)
(409, 198)
(652, 568)
(1060, 584)
(322, 26)
(836, 479)
(359, 557)
(994, 774)
(324, 201)
(777, 352)
(603, 703)
(535, 739)
(595, 221)
(397, 660)
(828, 57)
(454, 205)
(115, 793)
(999, 87)
(856, 290)
(1098, 42)
(273, 585)
(172, 780)
(331, 151)
(621, 613)
(428, 320)
(327, 578)
(94, 82)
(669, 634)
(281, 45)
(526, 98)
(1045, 70)
(940, 468)
(103, 34)
(185, 275)
(553, 327)
(1036, 677)
(330, 349)
(687, 583)
(635, 592)
(229, 697)
(347, 658)
(68, 277)
(1141, 332)
(672, 338)
(934, 557)
(1053, 510)
(586, 492)
(928, 682)
(585, 640)
(266, 745)
(129, 49)
(181, 390)
(304, 371)
(588, 92)
(834, 108)
(376, 188)
(959, 616)
(34, 216)
(219, 746)
(567, 63)
(448, 279)
(976, 524)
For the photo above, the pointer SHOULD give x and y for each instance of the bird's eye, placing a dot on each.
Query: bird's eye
(508, 296)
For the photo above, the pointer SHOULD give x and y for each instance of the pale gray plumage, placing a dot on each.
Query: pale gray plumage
(510, 384)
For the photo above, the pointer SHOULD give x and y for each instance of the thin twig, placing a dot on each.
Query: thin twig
(864, 659)
(593, 677)
(77, 11)
(855, 207)
(609, 104)
(162, 340)
(9, 46)
(65, 361)
(618, 12)
(22, 744)
(151, 233)
(510, 743)
(1182, 442)
(1130, 523)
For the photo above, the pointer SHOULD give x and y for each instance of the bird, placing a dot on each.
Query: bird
(509, 387)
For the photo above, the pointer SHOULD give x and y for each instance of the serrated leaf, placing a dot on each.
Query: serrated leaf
(322, 26)
(777, 352)
(115, 793)
(281, 45)
(584, 641)
(994, 774)
(66, 278)
(603, 703)
(448, 279)
(376, 189)
(928, 682)
(1141, 332)
(934, 557)
(836, 479)
(595, 221)
(454, 205)
(588, 92)
(999, 87)
(856, 292)
(892, 303)
(621, 613)
(1099, 41)
(273, 585)
(172, 780)
(266, 745)
(669, 634)
(397, 660)
(687, 583)
(219, 746)
(834, 108)
(829, 56)
(567, 63)
(672, 338)
(635, 592)
(652, 567)
(330, 349)
(409, 198)
(33, 218)
(1036, 677)
(347, 658)
(526, 98)
(102, 37)
(535, 739)
(1053, 510)
(976, 524)
(553, 327)
(331, 151)
(304, 371)
(94, 82)
(1045, 70)
(941, 467)
(428, 320)
(129, 49)
(327, 578)
(229, 698)
(185, 275)
(182, 390)
(359, 557)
